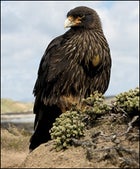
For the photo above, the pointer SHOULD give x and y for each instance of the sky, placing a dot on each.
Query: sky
(27, 27)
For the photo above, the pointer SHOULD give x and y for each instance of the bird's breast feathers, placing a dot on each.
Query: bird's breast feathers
(79, 47)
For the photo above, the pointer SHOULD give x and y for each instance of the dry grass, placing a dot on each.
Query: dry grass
(8, 105)
(14, 147)
(14, 139)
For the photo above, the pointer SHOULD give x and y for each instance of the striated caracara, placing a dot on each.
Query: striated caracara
(73, 66)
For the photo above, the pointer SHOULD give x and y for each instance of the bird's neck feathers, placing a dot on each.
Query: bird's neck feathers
(79, 30)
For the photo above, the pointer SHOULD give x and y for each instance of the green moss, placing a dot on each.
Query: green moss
(128, 102)
(72, 123)
(95, 105)
(66, 127)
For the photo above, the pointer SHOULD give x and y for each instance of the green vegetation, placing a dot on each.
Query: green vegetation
(128, 102)
(95, 105)
(66, 127)
(72, 124)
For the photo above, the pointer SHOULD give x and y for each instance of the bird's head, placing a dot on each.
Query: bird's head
(82, 17)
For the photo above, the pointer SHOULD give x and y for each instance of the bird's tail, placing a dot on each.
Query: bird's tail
(43, 123)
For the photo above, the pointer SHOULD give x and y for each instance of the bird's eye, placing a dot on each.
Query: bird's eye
(75, 16)
(81, 16)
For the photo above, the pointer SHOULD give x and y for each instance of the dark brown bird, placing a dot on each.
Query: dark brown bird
(73, 66)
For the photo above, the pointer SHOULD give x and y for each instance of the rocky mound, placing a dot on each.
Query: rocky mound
(113, 142)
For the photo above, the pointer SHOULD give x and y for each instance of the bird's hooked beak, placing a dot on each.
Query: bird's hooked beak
(70, 21)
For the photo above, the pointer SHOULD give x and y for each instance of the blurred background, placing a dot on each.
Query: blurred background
(27, 27)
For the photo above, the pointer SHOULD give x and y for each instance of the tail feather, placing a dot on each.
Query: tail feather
(43, 123)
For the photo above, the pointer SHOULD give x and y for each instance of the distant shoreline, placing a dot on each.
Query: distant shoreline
(15, 113)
